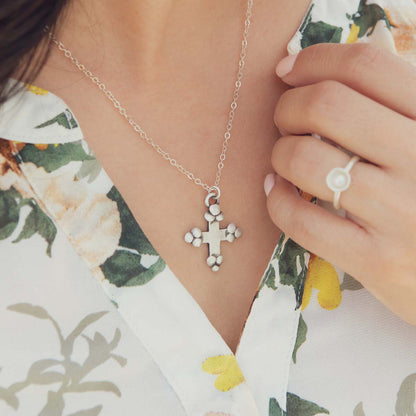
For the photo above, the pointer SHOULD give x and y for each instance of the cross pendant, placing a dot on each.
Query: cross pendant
(215, 234)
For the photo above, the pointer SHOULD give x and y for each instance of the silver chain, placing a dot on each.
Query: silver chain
(149, 140)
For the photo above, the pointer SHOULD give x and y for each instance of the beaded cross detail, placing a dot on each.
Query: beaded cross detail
(215, 234)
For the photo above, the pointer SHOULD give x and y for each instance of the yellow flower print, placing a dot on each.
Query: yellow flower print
(35, 90)
(44, 146)
(41, 146)
(229, 372)
(354, 31)
(322, 275)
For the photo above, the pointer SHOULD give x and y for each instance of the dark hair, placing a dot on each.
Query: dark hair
(24, 45)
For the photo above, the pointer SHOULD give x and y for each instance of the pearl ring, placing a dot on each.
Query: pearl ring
(339, 179)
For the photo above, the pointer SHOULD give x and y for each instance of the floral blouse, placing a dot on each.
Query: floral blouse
(94, 322)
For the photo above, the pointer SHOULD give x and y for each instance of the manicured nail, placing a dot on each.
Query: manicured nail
(269, 182)
(286, 65)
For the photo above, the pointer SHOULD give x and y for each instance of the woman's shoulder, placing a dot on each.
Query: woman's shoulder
(33, 123)
(35, 115)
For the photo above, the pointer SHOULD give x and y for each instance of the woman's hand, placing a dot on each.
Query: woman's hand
(364, 99)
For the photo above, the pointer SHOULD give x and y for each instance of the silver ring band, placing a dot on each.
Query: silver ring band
(339, 179)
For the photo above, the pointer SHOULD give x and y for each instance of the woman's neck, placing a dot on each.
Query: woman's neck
(143, 36)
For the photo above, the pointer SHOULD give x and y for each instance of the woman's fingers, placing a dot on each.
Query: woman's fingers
(379, 74)
(305, 161)
(352, 120)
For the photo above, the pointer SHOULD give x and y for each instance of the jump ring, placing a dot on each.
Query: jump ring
(213, 192)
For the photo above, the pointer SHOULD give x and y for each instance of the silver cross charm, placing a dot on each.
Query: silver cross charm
(214, 235)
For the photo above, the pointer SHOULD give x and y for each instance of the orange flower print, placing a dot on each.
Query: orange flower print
(404, 31)
(306, 196)
(321, 275)
(9, 169)
(18, 146)
(44, 146)
(69, 200)
(229, 372)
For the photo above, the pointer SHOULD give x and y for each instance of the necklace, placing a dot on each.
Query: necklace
(213, 215)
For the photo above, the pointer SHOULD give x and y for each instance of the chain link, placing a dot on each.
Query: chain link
(142, 133)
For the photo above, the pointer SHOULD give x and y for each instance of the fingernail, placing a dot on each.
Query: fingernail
(286, 65)
(269, 182)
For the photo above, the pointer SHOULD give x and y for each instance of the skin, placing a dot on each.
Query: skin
(140, 40)
(362, 98)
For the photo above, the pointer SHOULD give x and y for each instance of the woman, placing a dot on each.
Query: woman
(105, 308)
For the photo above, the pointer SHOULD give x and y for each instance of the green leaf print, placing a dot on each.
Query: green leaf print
(89, 169)
(275, 409)
(38, 375)
(132, 235)
(64, 119)
(11, 202)
(318, 32)
(65, 374)
(406, 399)
(54, 406)
(68, 343)
(269, 279)
(9, 398)
(367, 16)
(148, 274)
(300, 337)
(349, 283)
(88, 412)
(122, 267)
(295, 406)
(89, 386)
(300, 407)
(38, 222)
(9, 212)
(28, 309)
(307, 19)
(292, 268)
(54, 156)
(405, 404)
(359, 410)
(278, 249)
